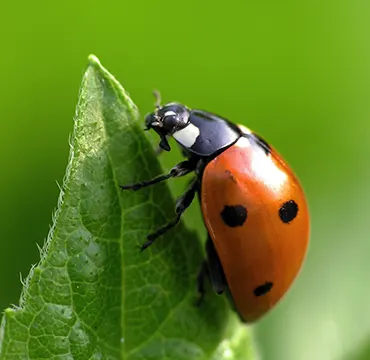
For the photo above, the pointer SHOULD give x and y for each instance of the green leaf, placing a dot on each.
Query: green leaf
(94, 295)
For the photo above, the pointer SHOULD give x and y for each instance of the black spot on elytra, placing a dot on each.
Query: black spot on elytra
(263, 289)
(288, 211)
(263, 144)
(234, 216)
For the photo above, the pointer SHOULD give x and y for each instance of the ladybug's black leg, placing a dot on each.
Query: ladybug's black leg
(181, 205)
(212, 269)
(142, 184)
(216, 273)
(181, 169)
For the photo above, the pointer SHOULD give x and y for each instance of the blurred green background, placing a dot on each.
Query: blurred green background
(296, 72)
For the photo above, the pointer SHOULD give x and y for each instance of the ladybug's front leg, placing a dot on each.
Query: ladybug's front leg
(181, 169)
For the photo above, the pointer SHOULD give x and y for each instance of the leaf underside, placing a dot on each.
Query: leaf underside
(94, 295)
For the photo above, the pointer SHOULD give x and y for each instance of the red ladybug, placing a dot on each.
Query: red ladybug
(253, 206)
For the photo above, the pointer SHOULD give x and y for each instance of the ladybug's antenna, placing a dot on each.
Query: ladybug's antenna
(157, 96)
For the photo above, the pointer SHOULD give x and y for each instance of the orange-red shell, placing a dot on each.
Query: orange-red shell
(264, 249)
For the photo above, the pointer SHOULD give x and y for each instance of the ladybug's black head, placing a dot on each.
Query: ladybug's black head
(166, 120)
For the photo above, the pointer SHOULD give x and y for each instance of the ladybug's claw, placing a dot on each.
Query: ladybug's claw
(200, 300)
(146, 245)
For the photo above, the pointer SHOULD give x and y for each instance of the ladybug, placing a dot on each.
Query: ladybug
(253, 206)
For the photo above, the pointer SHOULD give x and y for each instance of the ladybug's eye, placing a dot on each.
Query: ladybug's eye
(170, 122)
(172, 118)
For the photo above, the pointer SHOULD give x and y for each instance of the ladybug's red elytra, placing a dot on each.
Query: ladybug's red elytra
(253, 206)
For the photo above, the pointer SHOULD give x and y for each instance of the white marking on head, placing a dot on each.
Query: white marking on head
(187, 136)
(169, 113)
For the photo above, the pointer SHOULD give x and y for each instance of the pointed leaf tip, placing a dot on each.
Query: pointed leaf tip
(93, 60)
